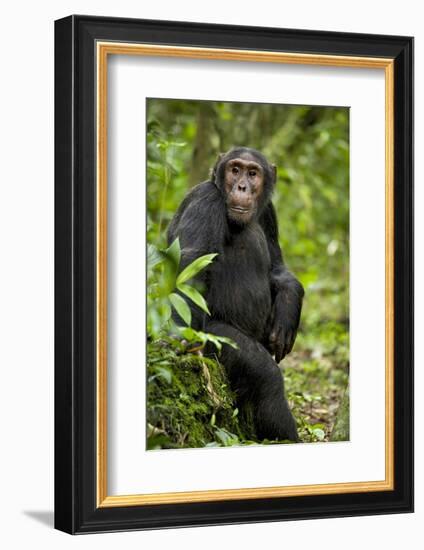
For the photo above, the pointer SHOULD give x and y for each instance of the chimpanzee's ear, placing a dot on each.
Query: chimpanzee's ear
(274, 172)
(214, 169)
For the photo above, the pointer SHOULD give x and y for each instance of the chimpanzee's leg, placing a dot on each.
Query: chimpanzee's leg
(255, 376)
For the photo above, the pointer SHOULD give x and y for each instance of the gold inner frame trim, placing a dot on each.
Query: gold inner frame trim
(103, 49)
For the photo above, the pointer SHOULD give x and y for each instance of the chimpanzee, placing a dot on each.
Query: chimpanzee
(252, 297)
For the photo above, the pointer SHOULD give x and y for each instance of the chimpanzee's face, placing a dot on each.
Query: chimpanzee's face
(243, 185)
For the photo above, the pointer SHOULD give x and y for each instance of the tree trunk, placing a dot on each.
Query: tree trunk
(203, 150)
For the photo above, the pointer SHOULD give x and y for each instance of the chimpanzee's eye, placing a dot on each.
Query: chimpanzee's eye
(252, 173)
(235, 170)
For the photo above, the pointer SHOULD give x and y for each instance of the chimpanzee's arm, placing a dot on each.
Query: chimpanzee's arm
(287, 292)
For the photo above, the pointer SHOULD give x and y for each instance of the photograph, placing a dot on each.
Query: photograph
(247, 273)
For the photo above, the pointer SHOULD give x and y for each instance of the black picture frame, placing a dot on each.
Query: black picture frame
(76, 509)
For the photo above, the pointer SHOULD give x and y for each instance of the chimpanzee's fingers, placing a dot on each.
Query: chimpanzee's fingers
(279, 353)
(287, 342)
(274, 338)
(291, 337)
(279, 346)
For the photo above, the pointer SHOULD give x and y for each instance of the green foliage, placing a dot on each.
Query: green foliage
(316, 375)
(310, 147)
(162, 281)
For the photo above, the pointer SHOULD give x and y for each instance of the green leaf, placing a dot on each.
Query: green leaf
(223, 436)
(318, 433)
(174, 252)
(156, 442)
(153, 256)
(228, 341)
(198, 336)
(194, 296)
(181, 307)
(320, 426)
(189, 334)
(166, 312)
(227, 438)
(215, 340)
(163, 144)
(178, 144)
(164, 373)
(192, 269)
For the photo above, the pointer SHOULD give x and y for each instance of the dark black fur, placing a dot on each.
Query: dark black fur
(253, 298)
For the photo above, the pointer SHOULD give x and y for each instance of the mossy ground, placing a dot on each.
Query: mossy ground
(316, 376)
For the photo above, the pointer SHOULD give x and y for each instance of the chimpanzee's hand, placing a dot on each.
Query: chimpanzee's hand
(283, 328)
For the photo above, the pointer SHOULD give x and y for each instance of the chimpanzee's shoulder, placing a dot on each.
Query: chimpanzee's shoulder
(200, 215)
(205, 189)
(204, 198)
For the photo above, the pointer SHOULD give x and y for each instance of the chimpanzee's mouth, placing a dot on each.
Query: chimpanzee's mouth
(240, 209)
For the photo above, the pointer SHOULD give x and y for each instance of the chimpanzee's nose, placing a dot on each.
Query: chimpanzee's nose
(242, 186)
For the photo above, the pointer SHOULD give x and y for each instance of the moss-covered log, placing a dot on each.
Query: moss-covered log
(189, 402)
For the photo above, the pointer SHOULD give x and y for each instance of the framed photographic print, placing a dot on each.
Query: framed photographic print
(234, 274)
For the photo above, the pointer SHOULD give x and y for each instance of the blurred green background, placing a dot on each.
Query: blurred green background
(310, 147)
